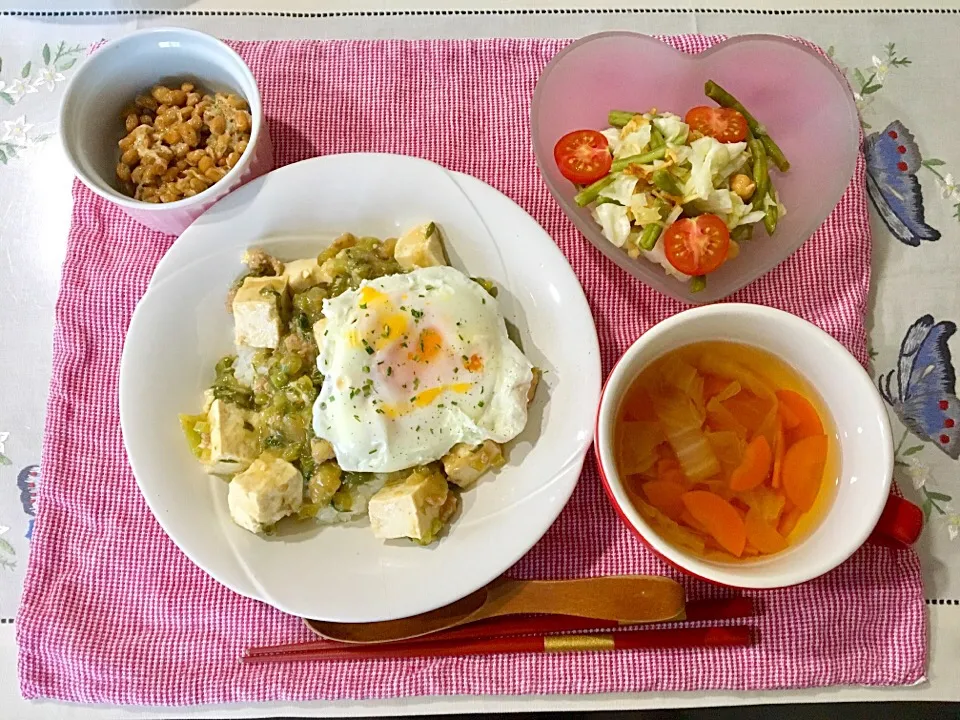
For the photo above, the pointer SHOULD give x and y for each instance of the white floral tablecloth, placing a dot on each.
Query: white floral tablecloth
(902, 66)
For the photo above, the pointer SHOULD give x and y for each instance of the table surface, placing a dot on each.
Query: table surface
(899, 57)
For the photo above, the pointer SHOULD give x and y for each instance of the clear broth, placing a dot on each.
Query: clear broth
(778, 375)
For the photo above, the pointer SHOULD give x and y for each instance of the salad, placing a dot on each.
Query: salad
(681, 192)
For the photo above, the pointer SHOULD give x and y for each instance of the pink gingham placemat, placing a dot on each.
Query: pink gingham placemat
(114, 612)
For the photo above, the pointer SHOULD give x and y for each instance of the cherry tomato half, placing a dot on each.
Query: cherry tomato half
(697, 246)
(724, 124)
(583, 156)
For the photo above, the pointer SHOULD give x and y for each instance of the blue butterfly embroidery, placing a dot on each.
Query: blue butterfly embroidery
(28, 480)
(926, 400)
(893, 159)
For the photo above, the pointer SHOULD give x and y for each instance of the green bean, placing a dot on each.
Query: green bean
(642, 159)
(725, 99)
(698, 283)
(664, 181)
(619, 118)
(771, 218)
(649, 236)
(761, 173)
(742, 233)
(656, 138)
(592, 191)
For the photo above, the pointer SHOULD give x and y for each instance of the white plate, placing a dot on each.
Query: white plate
(181, 327)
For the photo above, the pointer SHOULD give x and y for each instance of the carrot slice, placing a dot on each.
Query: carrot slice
(754, 467)
(665, 495)
(808, 420)
(668, 470)
(778, 450)
(789, 521)
(719, 517)
(762, 535)
(691, 522)
(802, 473)
(789, 418)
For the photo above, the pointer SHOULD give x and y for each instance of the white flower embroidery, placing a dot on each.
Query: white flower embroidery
(19, 88)
(48, 78)
(953, 526)
(3, 439)
(949, 190)
(880, 69)
(16, 131)
(862, 102)
(919, 473)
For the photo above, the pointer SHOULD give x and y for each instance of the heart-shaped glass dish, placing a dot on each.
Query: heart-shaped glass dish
(802, 100)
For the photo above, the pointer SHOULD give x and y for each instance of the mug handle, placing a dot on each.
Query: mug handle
(899, 525)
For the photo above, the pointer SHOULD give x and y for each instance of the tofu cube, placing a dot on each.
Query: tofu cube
(464, 464)
(268, 490)
(233, 438)
(257, 310)
(420, 247)
(243, 369)
(319, 328)
(410, 508)
(321, 450)
(302, 274)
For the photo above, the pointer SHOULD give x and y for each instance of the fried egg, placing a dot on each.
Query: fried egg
(414, 364)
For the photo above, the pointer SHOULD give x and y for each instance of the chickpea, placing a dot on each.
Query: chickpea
(123, 172)
(171, 136)
(146, 120)
(242, 122)
(205, 163)
(195, 156)
(192, 99)
(136, 177)
(232, 159)
(743, 186)
(199, 184)
(131, 122)
(171, 174)
(188, 87)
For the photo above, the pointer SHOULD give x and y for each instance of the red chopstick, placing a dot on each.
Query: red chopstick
(601, 642)
(696, 611)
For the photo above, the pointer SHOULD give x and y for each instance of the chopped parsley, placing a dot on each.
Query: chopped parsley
(372, 451)
(366, 368)
(357, 418)
(389, 371)
(417, 314)
(480, 404)
(416, 383)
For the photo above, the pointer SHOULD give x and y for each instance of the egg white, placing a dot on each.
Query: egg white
(413, 364)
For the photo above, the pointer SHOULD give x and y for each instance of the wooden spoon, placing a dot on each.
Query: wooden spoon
(627, 599)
